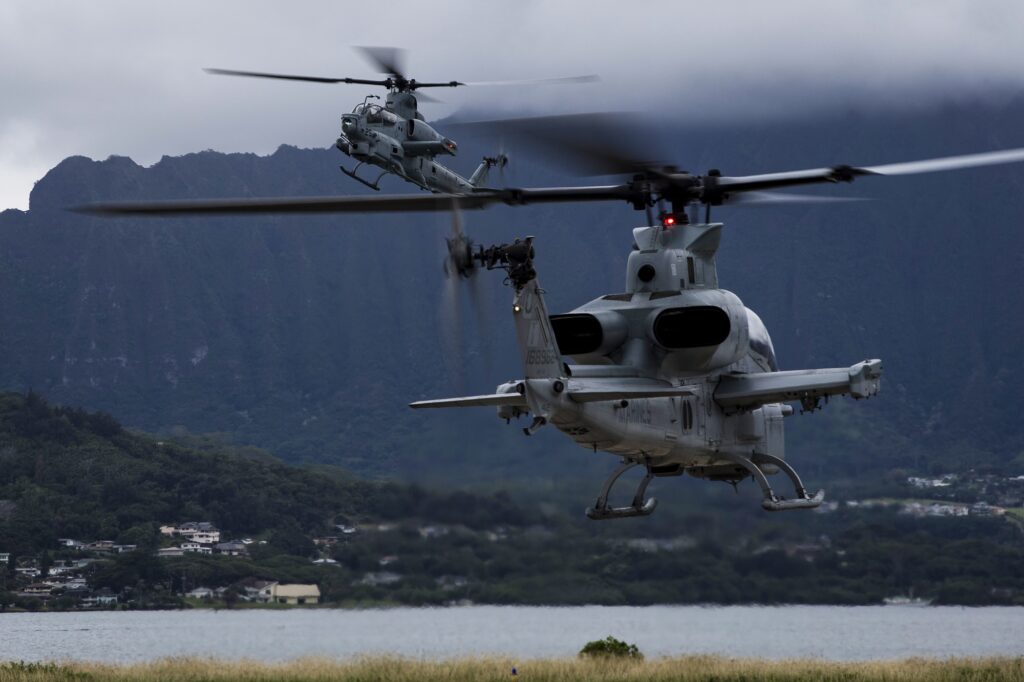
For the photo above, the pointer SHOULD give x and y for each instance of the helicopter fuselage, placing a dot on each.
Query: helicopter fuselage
(675, 374)
(395, 138)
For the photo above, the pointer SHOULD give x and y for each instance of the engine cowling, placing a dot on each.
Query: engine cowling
(589, 337)
(707, 335)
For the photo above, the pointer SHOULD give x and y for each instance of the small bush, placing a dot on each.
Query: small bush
(609, 647)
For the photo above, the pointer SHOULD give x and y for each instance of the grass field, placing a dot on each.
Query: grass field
(687, 669)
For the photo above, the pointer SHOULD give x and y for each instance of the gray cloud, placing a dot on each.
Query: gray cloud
(124, 77)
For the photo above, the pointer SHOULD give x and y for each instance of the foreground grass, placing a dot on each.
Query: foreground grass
(686, 669)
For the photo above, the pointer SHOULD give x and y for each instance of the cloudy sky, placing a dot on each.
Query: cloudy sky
(124, 76)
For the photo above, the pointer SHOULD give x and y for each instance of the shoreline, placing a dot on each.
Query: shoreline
(399, 669)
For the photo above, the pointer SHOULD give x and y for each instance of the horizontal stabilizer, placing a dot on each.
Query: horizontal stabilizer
(493, 400)
(751, 390)
(623, 389)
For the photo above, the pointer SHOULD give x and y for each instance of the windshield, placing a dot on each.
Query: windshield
(760, 342)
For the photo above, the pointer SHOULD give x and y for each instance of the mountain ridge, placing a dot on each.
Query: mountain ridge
(307, 335)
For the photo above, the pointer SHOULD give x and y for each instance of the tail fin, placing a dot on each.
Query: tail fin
(537, 343)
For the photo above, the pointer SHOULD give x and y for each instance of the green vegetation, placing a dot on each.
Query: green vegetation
(65, 473)
(609, 647)
(686, 669)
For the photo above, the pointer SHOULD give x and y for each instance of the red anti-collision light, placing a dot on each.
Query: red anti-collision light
(668, 221)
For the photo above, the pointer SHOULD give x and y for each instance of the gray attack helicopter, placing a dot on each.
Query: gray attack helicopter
(394, 136)
(673, 374)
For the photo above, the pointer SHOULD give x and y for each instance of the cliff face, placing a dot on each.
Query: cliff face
(309, 335)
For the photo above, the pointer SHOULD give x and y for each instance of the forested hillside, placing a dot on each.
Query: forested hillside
(81, 495)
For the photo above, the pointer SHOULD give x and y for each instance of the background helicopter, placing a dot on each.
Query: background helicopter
(674, 373)
(394, 136)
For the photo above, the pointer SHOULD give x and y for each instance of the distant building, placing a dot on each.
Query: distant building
(326, 541)
(5, 557)
(170, 551)
(295, 594)
(253, 589)
(233, 548)
(102, 597)
(40, 590)
(195, 548)
(202, 532)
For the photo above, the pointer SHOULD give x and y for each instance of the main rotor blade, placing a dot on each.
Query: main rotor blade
(416, 85)
(949, 163)
(362, 204)
(247, 205)
(289, 77)
(719, 187)
(590, 78)
(388, 59)
(775, 198)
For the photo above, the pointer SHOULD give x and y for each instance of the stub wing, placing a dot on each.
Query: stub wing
(492, 400)
(744, 391)
(584, 391)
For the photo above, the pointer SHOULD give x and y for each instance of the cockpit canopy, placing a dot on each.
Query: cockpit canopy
(375, 114)
(760, 341)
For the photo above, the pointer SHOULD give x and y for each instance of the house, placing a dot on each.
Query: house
(233, 548)
(70, 542)
(5, 557)
(195, 548)
(200, 593)
(202, 532)
(41, 590)
(295, 594)
(250, 589)
(199, 531)
(102, 597)
(99, 546)
(123, 549)
(28, 571)
(170, 551)
(326, 541)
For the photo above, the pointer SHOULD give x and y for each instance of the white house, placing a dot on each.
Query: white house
(202, 532)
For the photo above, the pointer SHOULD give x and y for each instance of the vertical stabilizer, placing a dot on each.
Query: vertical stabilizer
(541, 357)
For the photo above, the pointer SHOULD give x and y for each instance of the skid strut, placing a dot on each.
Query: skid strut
(352, 174)
(601, 509)
(771, 501)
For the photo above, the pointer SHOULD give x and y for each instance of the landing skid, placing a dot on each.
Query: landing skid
(602, 510)
(352, 174)
(771, 501)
